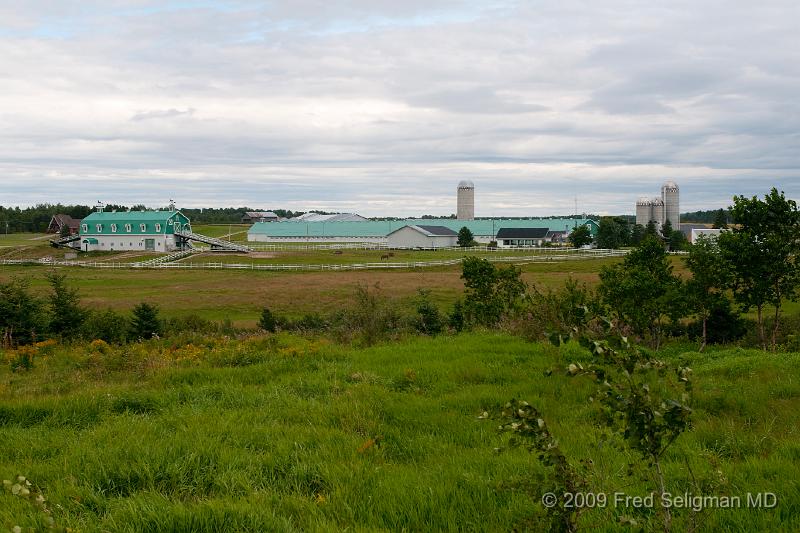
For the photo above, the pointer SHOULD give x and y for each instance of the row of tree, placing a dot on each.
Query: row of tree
(36, 219)
(26, 318)
(616, 232)
(754, 265)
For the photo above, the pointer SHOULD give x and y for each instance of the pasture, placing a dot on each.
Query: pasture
(240, 295)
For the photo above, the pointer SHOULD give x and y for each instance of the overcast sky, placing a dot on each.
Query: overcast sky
(382, 106)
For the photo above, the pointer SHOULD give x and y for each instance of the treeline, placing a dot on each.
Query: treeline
(620, 232)
(229, 215)
(36, 219)
(706, 217)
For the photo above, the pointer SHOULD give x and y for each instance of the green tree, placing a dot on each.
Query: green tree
(267, 321)
(22, 316)
(666, 230)
(643, 400)
(720, 220)
(637, 234)
(763, 250)
(677, 241)
(66, 315)
(490, 292)
(580, 236)
(145, 323)
(465, 237)
(650, 230)
(64, 231)
(705, 291)
(430, 320)
(642, 290)
(612, 233)
(456, 319)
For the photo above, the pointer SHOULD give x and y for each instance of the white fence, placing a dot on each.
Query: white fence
(570, 255)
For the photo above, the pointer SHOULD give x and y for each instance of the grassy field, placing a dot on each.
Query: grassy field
(287, 434)
(240, 295)
(231, 232)
(24, 239)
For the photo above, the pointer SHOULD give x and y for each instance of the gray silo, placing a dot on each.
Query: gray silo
(466, 201)
(657, 211)
(644, 211)
(672, 208)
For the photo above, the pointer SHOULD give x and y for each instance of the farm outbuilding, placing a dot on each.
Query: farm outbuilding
(58, 222)
(377, 231)
(516, 237)
(157, 231)
(332, 217)
(250, 217)
(422, 236)
(711, 234)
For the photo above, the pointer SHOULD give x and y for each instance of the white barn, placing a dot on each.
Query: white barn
(708, 233)
(155, 231)
(416, 236)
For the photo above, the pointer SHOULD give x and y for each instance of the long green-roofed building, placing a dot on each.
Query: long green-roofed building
(376, 231)
(157, 231)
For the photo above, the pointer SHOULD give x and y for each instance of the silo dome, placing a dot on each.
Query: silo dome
(643, 200)
(466, 184)
(670, 185)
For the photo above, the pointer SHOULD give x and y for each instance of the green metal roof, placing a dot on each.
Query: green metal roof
(382, 228)
(135, 219)
(90, 240)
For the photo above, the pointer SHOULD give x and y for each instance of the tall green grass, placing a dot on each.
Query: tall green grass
(305, 435)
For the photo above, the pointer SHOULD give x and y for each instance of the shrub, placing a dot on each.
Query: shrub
(21, 359)
(724, 324)
(556, 310)
(490, 292)
(311, 322)
(429, 319)
(106, 325)
(190, 324)
(371, 319)
(456, 318)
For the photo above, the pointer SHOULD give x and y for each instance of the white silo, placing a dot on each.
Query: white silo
(466, 201)
(672, 208)
(644, 211)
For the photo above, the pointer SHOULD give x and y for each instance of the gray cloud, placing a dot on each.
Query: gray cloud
(382, 107)
(162, 113)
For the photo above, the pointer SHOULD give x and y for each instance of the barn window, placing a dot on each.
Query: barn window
(113, 228)
(142, 227)
(85, 227)
(158, 227)
(128, 228)
(98, 227)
